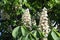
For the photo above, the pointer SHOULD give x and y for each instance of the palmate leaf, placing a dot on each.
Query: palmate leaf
(28, 36)
(15, 32)
(20, 33)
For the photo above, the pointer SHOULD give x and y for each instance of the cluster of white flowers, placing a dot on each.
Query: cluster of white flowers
(26, 18)
(44, 26)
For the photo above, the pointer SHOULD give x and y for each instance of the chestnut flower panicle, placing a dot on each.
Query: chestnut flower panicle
(43, 24)
(26, 18)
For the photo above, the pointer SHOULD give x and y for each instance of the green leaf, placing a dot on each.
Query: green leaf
(23, 10)
(55, 37)
(50, 37)
(41, 34)
(23, 38)
(4, 1)
(27, 38)
(57, 1)
(18, 13)
(15, 32)
(27, 5)
(20, 38)
(25, 1)
(31, 38)
(34, 34)
(23, 31)
(57, 33)
(51, 3)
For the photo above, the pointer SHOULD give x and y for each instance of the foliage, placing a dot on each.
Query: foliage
(12, 21)
(25, 34)
(53, 35)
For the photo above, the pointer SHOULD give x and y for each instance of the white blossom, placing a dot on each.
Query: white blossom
(26, 18)
(44, 26)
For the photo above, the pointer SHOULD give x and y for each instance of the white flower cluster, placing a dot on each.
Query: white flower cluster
(26, 18)
(44, 22)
